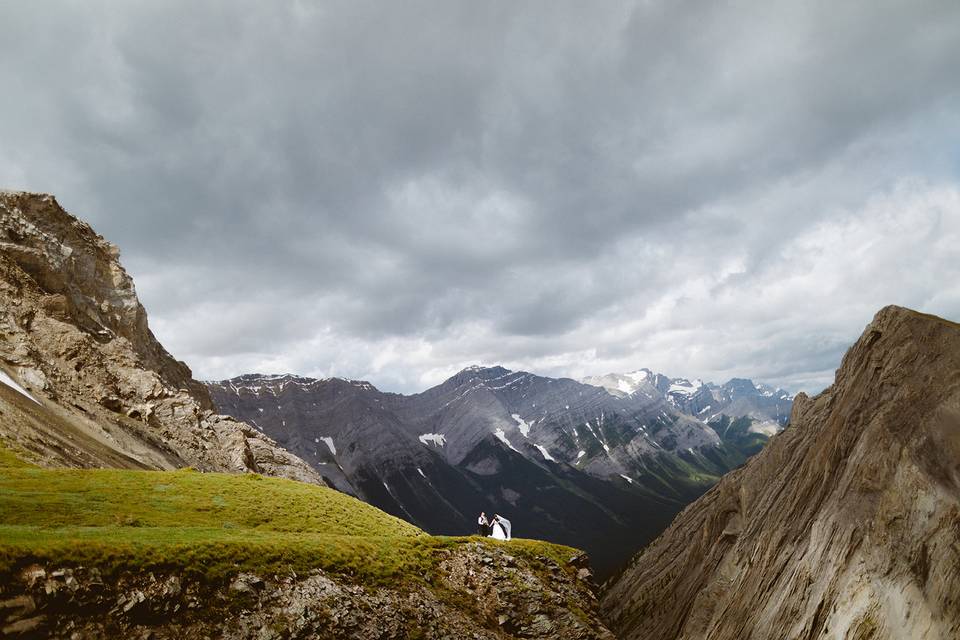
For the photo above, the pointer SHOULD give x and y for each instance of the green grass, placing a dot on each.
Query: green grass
(209, 524)
(9, 460)
(185, 499)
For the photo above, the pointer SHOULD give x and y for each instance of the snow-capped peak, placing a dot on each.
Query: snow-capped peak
(684, 386)
(621, 383)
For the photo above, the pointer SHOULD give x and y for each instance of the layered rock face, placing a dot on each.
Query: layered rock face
(845, 526)
(480, 592)
(95, 386)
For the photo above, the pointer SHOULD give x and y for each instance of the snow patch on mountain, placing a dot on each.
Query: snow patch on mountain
(545, 453)
(329, 443)
(436, 438)
(685, 387)
(522, 424)
(510, 383)
(503, 438)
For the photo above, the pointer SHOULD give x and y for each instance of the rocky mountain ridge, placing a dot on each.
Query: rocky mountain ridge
(844, 526)
(534, 448)
(102, 390)
(767, 407)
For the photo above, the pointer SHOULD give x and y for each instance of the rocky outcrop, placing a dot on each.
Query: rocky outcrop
(478, 591)
(102, 390)
(845, 526)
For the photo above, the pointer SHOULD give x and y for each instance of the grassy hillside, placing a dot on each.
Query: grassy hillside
(208, 524)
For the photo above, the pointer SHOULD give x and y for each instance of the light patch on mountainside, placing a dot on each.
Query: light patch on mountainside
(766, 428)
(10, 382)
(546, 454)
(522, 424)
(436, 438)
(685, 386)
(503, 438)
(329, 442)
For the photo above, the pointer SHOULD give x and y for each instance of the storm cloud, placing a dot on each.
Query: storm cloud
(392, 191)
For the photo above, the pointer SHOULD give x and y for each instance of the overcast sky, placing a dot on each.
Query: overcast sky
(394, 190)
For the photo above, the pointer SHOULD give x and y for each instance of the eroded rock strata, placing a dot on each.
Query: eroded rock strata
(101, 391)
(478, 592)
(847, 525)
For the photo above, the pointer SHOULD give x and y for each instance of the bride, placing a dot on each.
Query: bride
(501, 528)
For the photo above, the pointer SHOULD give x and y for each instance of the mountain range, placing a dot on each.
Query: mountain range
(129, 507)
(600, 464)
(590, 466)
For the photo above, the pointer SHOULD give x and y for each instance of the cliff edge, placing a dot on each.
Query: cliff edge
(845, 526)
(86, 382)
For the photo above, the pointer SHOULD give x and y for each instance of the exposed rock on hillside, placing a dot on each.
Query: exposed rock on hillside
(480, 592)
(845, 526)
(101, 391)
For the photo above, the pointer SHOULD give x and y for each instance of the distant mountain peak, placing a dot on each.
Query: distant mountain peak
(275, 381)
(479, 372)
(639, 375)
(484, 369)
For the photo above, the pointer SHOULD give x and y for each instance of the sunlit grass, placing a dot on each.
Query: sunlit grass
(209, 524)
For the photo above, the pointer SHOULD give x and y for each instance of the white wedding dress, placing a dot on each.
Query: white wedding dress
(501, 529)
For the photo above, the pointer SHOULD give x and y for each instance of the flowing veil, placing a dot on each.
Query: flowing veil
(501, 530)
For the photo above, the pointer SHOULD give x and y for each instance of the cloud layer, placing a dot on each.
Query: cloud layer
(392, 192)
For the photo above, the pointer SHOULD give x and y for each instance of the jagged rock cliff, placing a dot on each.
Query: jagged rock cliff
(96, 388)
(480, 592)
(845, 526)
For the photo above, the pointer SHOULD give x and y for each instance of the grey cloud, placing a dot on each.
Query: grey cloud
(391, 191)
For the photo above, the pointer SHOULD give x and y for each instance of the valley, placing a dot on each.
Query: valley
(131, 506)
(586, 465)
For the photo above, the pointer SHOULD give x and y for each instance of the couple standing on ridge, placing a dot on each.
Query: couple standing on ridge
(498, 527)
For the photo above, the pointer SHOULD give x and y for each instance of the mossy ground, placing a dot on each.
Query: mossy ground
(209, 524)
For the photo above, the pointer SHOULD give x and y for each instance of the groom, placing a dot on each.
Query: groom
(483, 525)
